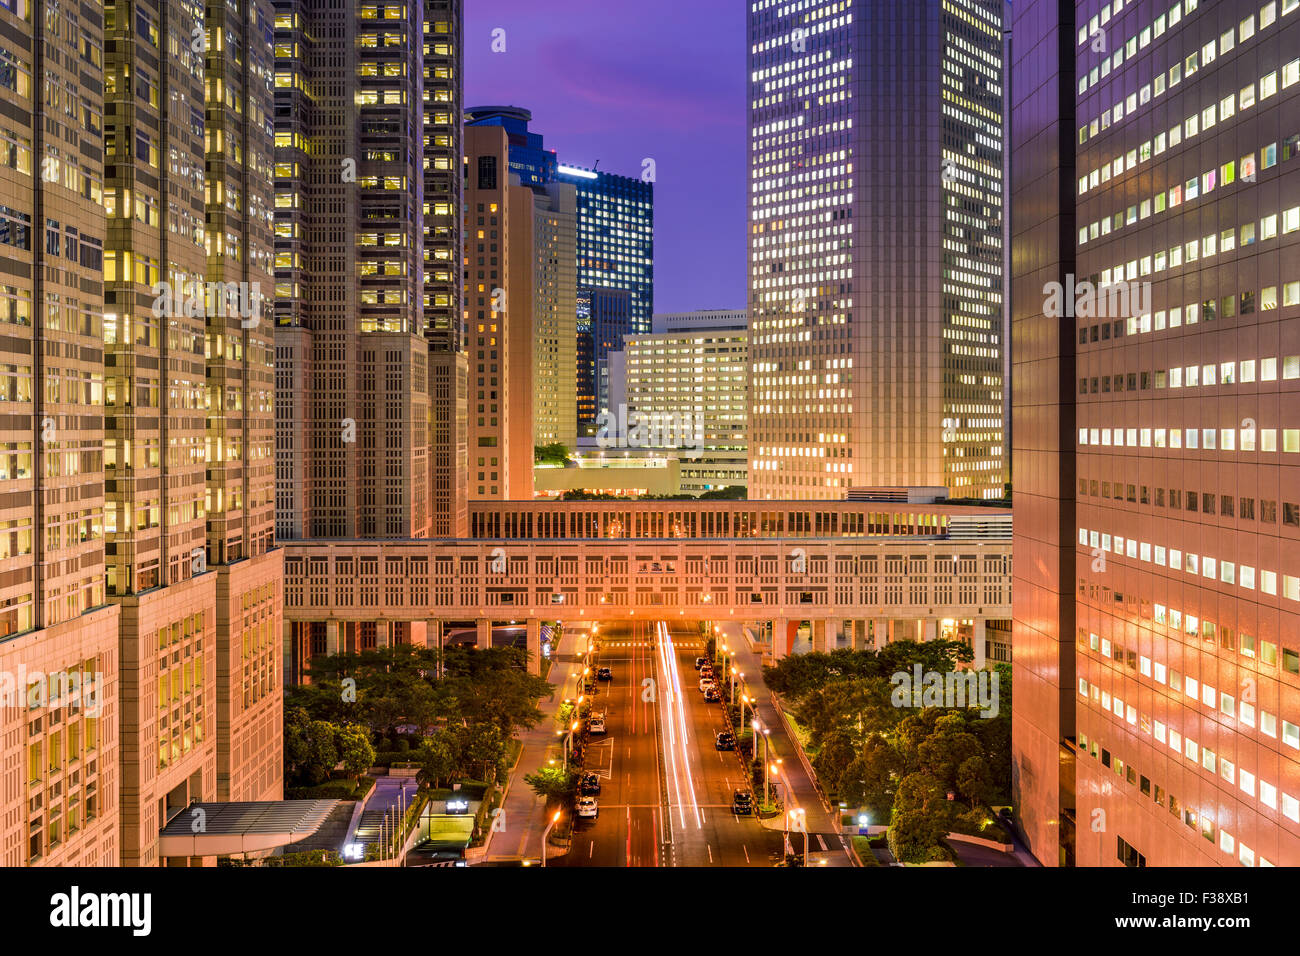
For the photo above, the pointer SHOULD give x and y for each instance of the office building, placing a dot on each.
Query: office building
(690, 386)
(875, 201)
(499, 264)
(555, 305)
(1156, 600)
(60, 750)
(699, 320)
(610, 318)
(353, 422)
(444, 291)
(616, 246)
(530, 160)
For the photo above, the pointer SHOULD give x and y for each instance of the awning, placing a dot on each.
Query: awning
(228, 829)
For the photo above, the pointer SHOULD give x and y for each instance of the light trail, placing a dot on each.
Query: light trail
(676, 742)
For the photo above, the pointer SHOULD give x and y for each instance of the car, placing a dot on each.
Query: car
(711, 694)
(596, 724)
(699, 662)
(742, 803)
(725, 740)
(707, 672)
(590, 784)
(587, 807)
(706, 683)
(604, 674)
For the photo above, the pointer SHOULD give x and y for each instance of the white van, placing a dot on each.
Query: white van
(596, 724)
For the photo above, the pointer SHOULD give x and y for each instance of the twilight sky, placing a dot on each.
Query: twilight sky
(622, 80)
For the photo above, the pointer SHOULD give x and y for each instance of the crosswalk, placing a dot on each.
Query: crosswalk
(680, 645)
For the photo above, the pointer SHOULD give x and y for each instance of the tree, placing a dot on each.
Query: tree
(833, 759)
(556, 453)
(437, 759)
(555, 784)
(871, 780)
(480, 747)
(353, 742)
(921, 820)
(321, 752)
(296, 749)
(975, 781)
(915, 836)
(941, 753)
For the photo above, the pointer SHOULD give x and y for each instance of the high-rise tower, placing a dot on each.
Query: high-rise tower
(352, 364)
(875, 247)
(60, 750)
(1156, 598)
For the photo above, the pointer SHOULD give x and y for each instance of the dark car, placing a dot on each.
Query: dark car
(712, 696)
(725, 741)
(604, 674)
(742, 803)
(699, 662)
(590, 784)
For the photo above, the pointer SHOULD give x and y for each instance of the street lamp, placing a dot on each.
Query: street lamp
(547, 833)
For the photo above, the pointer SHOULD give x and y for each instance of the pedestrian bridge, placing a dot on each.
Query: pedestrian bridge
(860, 573)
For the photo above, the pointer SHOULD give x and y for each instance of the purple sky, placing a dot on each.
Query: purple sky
(622, 80)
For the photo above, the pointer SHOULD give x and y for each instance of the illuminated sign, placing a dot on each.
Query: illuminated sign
(575, 171)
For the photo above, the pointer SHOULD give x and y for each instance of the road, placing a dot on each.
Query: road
(665, 795)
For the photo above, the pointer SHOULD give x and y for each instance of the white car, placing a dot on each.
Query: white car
(596, 724)
(587, 807)
(706, 683)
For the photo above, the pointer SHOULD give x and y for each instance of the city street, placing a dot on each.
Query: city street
(666, 792)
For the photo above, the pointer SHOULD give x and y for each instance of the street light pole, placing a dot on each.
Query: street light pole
(546, 834)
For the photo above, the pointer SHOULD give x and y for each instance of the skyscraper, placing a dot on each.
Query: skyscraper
(615, 213)
(875, 247)
(610, 319)
(1157, 310)
(353, 423)
(60, 753)
(499, 262)
(616, 245)
(555, 334)
(444, 290)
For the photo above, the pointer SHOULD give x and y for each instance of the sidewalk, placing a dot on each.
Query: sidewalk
(524, 812)
(797, 787)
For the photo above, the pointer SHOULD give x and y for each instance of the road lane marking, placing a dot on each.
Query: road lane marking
(709, 847)
(591, 849)
(746, 849)
(822, 842)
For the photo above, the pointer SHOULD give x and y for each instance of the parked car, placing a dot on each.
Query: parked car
(706, 683)
(587, 807)
(711, 694)
(699, 662)
(742, 803)
(596, 724)
(604, 674)
(590, 784)
(725, 740)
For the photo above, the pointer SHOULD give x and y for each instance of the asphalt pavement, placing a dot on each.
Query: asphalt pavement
(666, 792)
